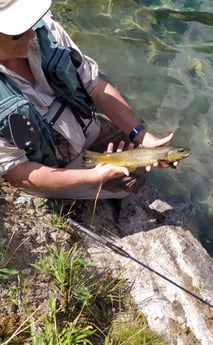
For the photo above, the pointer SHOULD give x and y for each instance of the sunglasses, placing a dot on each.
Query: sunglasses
(16, 37)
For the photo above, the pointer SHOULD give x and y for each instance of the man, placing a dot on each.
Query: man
(69, 130)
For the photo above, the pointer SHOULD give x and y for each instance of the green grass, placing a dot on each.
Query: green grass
(6, 267)
(67, 268)
(97, 298)
(87, 307)
(131, 332)
(71, 333)
(93, 303)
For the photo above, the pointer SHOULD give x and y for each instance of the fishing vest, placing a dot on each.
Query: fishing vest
(60, 68)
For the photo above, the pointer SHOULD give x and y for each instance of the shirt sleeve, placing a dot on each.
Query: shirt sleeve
(10, 156)
(88, 69)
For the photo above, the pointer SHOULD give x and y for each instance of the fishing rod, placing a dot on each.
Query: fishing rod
(124, 253)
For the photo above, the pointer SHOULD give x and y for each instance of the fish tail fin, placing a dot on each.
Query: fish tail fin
(90, 158)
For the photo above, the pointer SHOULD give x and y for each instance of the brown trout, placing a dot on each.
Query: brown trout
(138, 157)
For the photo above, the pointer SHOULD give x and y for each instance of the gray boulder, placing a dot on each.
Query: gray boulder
(151, 231)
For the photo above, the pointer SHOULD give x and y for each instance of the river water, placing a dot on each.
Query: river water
(159, 53)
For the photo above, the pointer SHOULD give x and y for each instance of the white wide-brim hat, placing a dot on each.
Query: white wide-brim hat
(17, 16)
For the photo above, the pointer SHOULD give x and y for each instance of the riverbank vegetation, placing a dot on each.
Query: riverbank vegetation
(50, 292)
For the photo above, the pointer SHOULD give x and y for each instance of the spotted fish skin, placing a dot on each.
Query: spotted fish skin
(138, 157)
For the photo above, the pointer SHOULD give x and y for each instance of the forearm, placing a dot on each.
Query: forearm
(111, 103)
(34, 176)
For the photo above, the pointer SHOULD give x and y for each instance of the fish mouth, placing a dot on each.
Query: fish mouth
(185, 151)
(178, 154)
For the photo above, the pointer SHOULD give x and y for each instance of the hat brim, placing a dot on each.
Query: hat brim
(22, 15)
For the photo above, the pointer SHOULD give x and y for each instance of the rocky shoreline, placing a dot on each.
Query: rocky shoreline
(150, 229)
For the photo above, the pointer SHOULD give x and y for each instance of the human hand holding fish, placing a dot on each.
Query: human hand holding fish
(148, 139)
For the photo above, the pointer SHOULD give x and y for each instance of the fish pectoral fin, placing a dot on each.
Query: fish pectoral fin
(89, 158)
(106, 153)
(90, 154)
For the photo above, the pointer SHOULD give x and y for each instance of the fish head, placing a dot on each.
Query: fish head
(177, 153)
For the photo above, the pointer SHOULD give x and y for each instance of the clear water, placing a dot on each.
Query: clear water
(160, 56)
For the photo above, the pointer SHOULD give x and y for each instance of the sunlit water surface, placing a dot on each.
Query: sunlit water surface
(160, 55)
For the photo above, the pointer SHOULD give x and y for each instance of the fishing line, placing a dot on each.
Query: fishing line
(124, 253)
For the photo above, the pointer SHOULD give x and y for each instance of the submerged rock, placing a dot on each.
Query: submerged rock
(151, 231)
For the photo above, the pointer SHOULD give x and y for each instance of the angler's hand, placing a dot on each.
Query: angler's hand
(104, 172)
(110, 171)
(150, 140)
(120, 147)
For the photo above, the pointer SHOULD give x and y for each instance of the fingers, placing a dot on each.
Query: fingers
(148, 168)
(163, 164)
(115, 170)
(168, 138)
(110, 147)
(108, 171)
(165, 140)
(176, 164)
(151, 140)
(123, 170)
(120, 147)
(131, 146)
